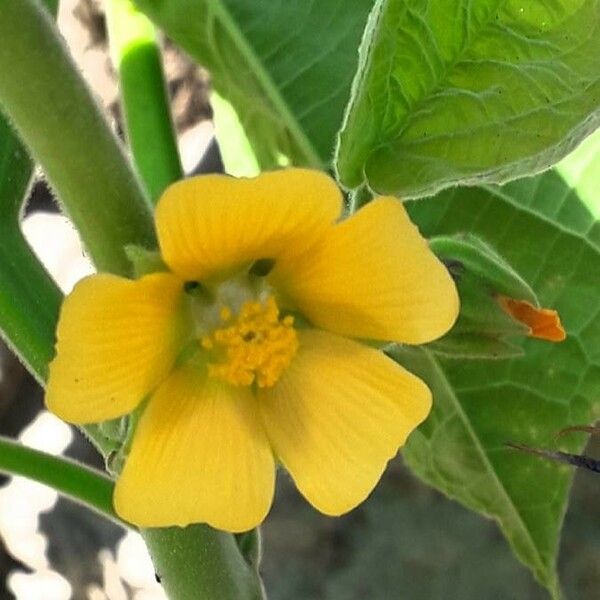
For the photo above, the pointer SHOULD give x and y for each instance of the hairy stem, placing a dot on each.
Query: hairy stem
(57, 118)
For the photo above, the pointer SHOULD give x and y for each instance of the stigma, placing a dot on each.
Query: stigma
(253, 346)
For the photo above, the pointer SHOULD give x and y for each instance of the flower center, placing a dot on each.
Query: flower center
(256, 345)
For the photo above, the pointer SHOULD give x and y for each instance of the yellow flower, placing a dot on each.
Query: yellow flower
(247, 349)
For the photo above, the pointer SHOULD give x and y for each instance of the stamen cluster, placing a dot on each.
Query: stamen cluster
(256, 345)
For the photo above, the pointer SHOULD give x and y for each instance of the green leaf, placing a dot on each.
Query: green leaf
(286, 67)
(450, 91)
(552, 239)
(235, 148)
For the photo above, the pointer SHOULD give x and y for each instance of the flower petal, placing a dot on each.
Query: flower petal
(213, 223)
(117, 339)
(337, 415)
(372, 276)
(543, 323)
(199, 455)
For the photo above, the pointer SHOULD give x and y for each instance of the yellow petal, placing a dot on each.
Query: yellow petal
(199, 455)
(372, 276)
(116, 340)
(337, 415)
(212, 223)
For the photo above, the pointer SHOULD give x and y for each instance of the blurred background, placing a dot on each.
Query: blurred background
(406, 541)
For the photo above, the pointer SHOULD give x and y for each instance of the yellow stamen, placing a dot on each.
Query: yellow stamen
(256, 346)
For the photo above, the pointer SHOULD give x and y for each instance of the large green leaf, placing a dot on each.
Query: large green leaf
(286, 67)
(551, 236)
(454, 91)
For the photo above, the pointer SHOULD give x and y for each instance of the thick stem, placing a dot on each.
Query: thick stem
(144, 97)
(68, 477)
(201, 563)
(56, 116)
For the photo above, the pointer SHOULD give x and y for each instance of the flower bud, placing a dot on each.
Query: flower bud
(496, 303)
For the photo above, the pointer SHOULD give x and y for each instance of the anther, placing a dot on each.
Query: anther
(253, 347)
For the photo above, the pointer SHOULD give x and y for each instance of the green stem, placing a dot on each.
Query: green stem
(29, 297)
(57, 118)
(29, 306)
(200, 563)
(29, 303)
(143, 91)
(66, 476)
(15, 174)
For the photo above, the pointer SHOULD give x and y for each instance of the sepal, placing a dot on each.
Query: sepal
(144, 261)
